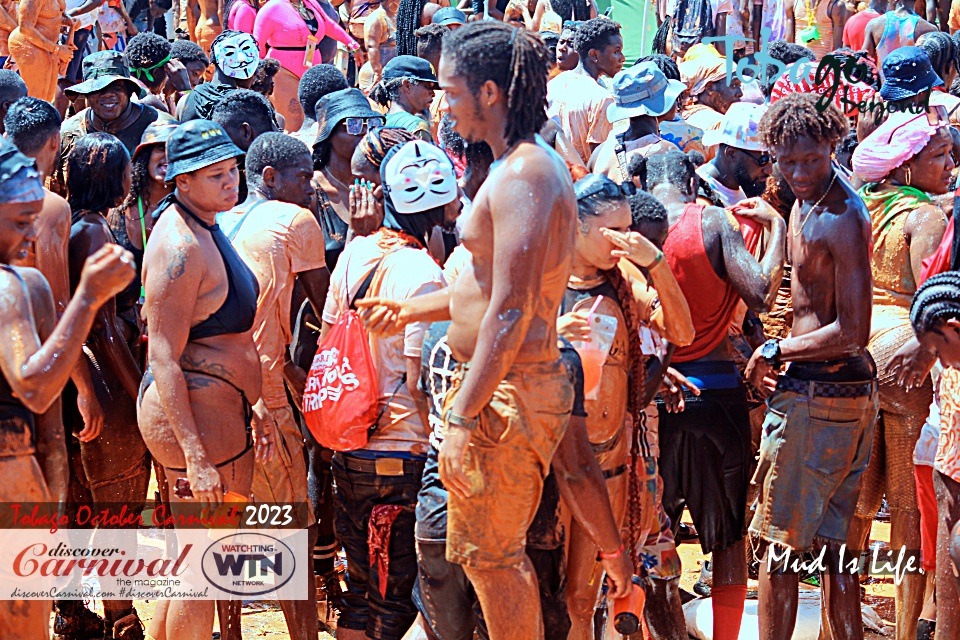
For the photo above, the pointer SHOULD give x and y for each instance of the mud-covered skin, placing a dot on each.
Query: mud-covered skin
(828, 244)
(196, 420)
(33, 45)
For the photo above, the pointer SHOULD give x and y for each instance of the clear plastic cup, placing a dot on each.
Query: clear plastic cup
(594, 352)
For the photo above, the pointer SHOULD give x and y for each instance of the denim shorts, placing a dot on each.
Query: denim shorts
(812, 454)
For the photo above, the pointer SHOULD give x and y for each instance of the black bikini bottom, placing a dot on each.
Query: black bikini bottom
(247, 413)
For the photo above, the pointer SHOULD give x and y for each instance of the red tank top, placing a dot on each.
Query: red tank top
(712, 300)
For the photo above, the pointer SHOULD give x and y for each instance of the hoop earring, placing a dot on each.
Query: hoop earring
(908, 177)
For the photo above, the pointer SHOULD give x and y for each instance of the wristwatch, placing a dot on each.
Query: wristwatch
(770, 352)
(452, 419)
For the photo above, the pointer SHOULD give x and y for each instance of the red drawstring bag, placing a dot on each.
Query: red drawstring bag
(340, 395)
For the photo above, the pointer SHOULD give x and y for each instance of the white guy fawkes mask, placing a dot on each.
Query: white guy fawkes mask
(237, 56)
(420, 177)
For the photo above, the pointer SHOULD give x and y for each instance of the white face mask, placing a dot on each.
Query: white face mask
(237, 56)
(420, 177)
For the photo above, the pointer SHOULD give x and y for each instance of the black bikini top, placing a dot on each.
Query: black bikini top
(238, 311)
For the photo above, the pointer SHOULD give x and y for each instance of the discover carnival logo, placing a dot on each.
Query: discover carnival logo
(248, 564)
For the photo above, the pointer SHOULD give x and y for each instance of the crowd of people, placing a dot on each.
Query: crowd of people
(596, 294)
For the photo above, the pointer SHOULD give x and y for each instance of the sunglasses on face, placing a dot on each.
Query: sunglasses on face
(762, 160)
(608, 189)
(355, 126)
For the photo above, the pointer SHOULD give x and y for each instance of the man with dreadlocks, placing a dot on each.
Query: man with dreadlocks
(511, 401)
(820, 419)
(580, 102)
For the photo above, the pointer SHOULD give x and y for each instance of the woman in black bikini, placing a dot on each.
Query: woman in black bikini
(200, 407)
(115, 467)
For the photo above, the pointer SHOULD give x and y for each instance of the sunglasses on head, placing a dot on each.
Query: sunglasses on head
(762, 160)
(355, 126)
(607, 189)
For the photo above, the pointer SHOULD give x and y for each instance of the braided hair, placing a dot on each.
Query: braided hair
(516, 60)
(590, 206)
(942, 51)
(409, 16)
(666, 64)
(937, 300)
(673, 167)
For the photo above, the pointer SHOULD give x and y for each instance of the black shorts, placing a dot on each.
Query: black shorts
(445, 597)
(706, 463)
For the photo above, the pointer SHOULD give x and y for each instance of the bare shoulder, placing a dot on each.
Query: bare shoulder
(535, 165)
(18, 287)
(177, 245)
(847, 224)
(36, 283)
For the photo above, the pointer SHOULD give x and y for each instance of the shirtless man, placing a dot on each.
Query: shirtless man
(503, 327)
(904, 25)
(820, 420)
(201, 412)
(37, 358)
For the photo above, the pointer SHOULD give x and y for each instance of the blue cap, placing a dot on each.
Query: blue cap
(448, 16)
(906, 72)
(643, 90)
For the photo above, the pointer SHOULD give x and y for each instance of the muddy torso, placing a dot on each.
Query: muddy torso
(470, 296)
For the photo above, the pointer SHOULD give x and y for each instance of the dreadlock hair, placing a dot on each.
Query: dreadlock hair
(272, 149)
(187, 51)
(577, 10)
(30, 123)
(92, 169)
(266, 70)
(387, 91)
(666, 64)
(797, 116)
(595, 34)
(226, 33)
(318, 81)
(942, 51)
(145, 50)
(594, 205)
(673, 167)
(516, 60)
(430, 41)
(937, 300)
(409, 15)
(955, 87)
(661, 38)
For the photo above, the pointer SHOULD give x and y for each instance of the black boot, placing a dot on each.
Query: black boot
(925, 629)
(75, 622)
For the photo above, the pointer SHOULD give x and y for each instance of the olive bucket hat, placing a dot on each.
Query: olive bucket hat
(197, 144)
(102, 69)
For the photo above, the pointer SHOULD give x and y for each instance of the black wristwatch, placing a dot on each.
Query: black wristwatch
(770, 352)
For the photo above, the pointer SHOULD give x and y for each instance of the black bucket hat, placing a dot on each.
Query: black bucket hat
(334, 108)
(102, 69)
(197, 144)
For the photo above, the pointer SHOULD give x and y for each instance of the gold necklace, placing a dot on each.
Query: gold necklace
(815, 205)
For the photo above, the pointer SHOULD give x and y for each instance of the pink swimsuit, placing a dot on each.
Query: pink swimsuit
(242, 16)
(279, 25)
